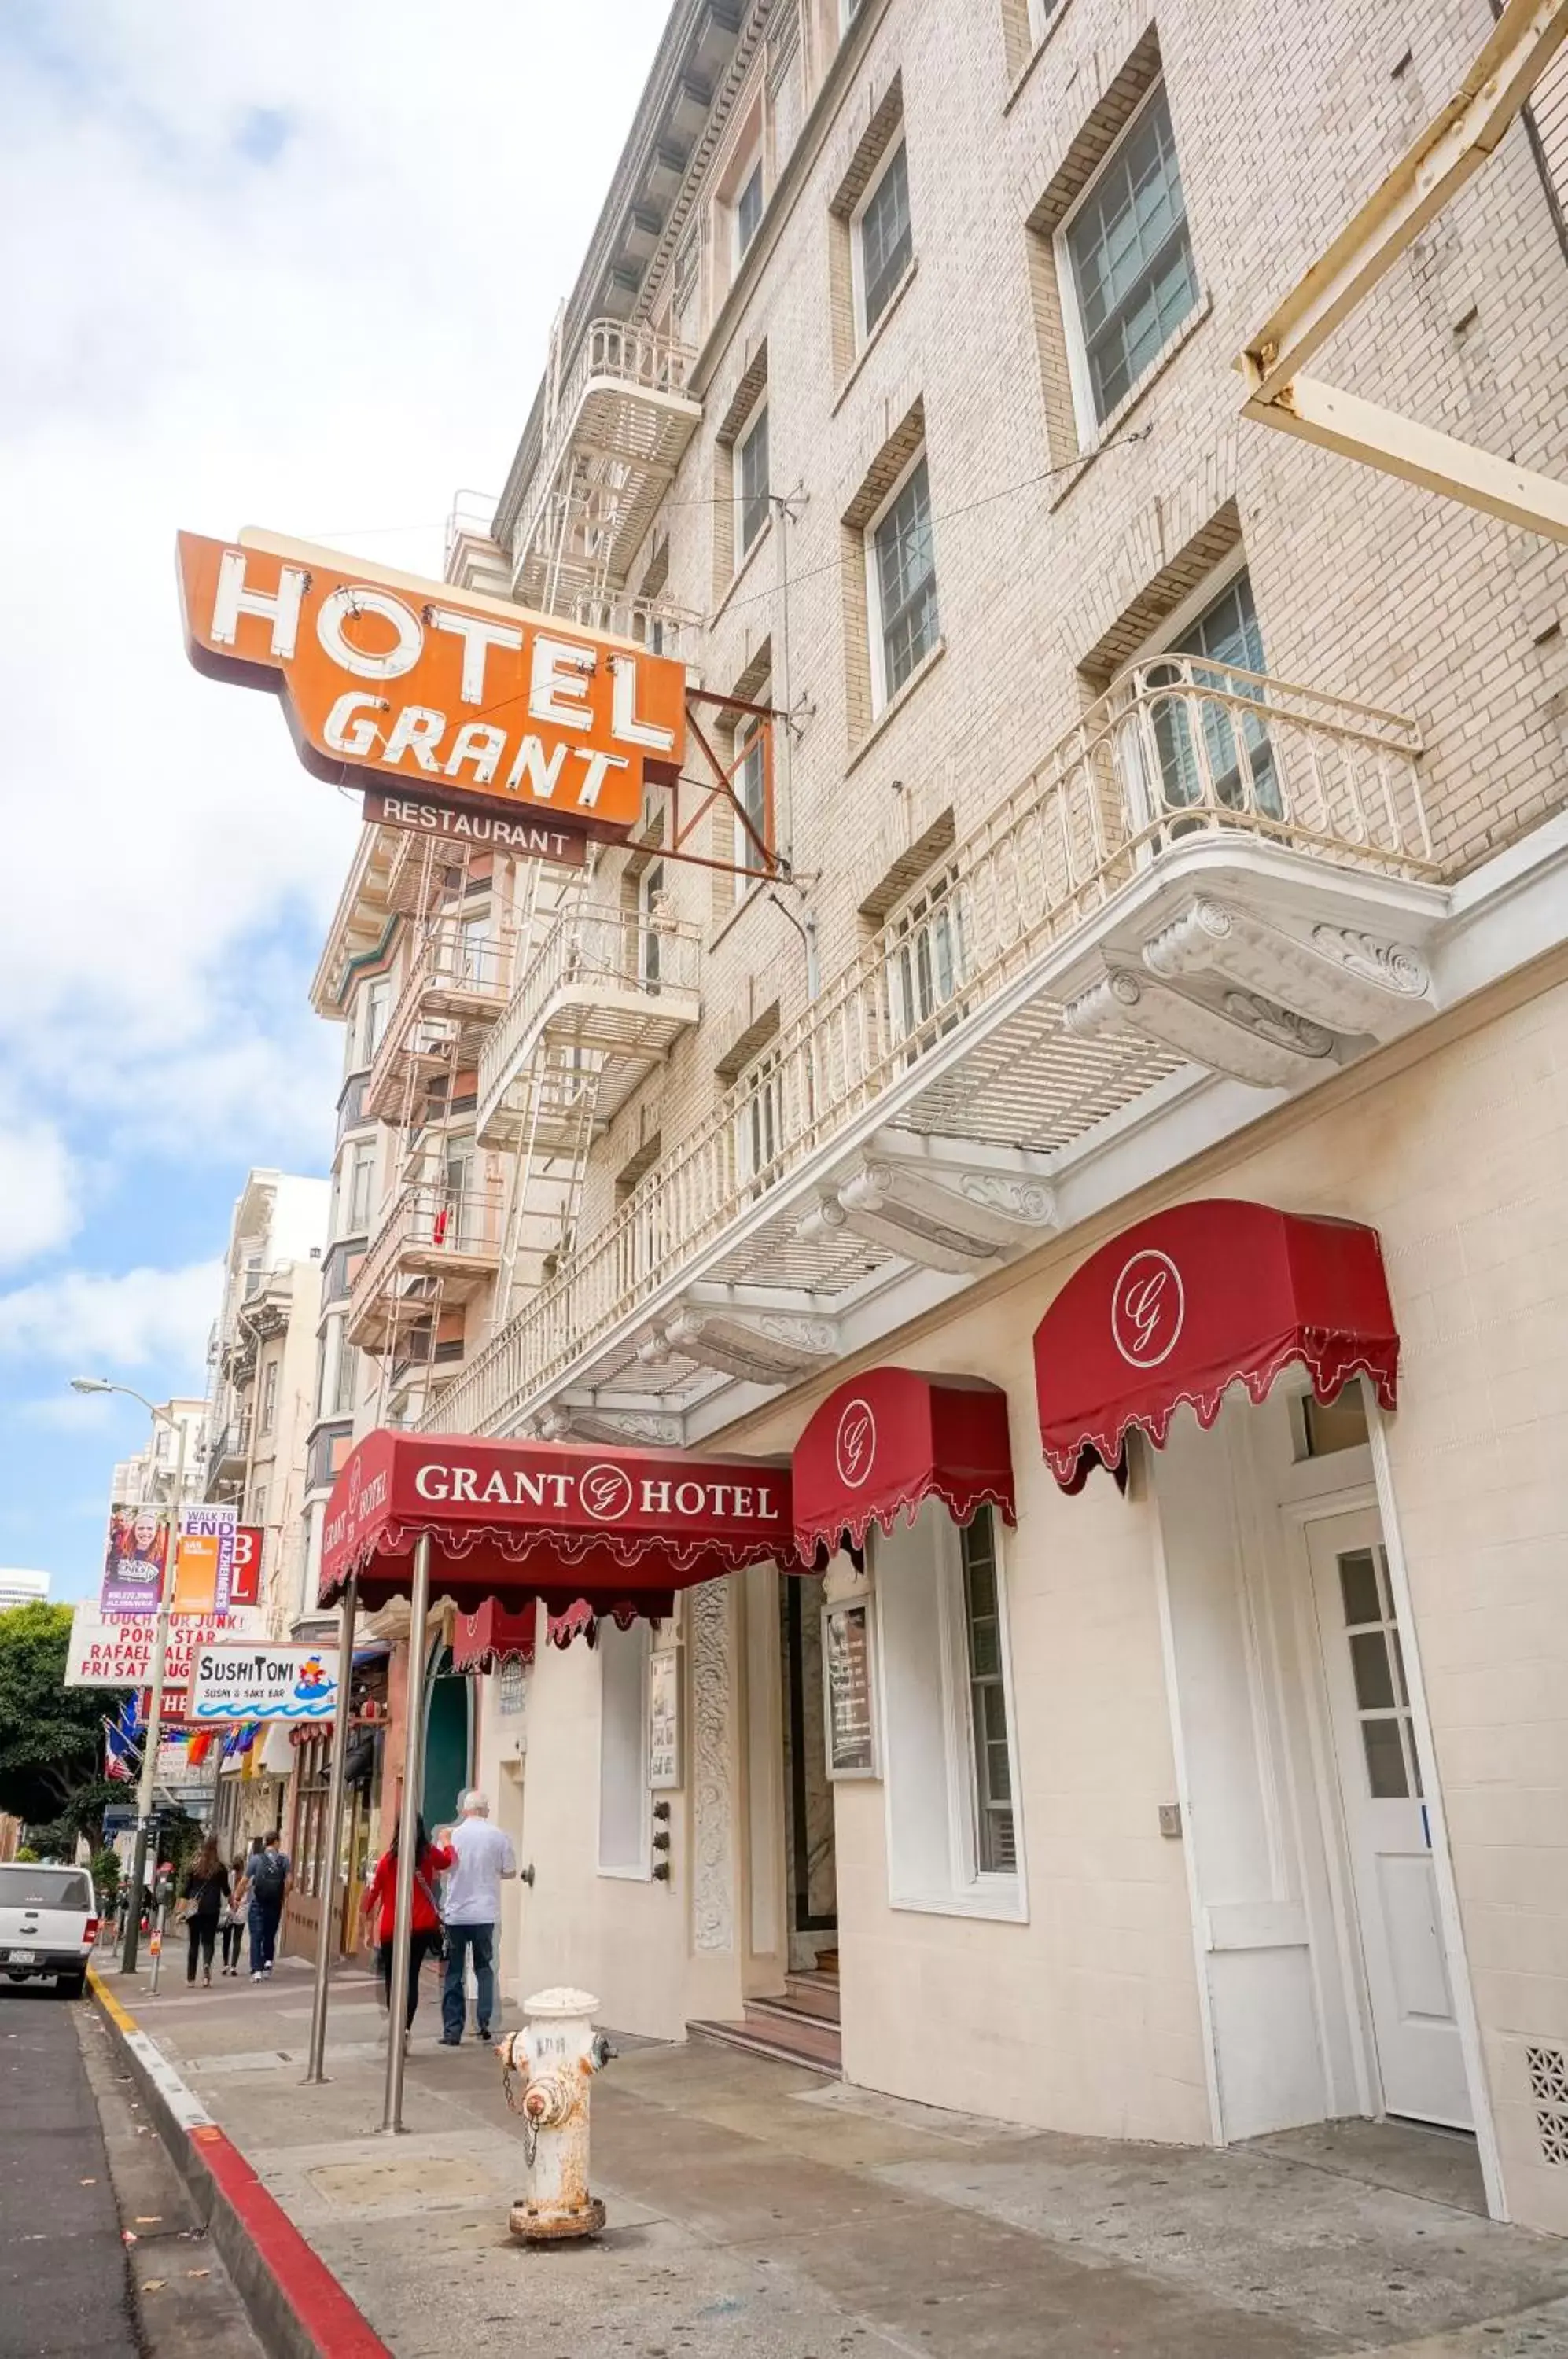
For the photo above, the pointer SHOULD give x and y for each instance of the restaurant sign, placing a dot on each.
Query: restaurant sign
(385, 675)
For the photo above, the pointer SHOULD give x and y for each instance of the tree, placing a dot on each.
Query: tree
(51, 1737)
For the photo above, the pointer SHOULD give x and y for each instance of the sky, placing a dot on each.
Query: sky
(292, 266)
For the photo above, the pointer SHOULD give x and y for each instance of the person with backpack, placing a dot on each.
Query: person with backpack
(425, 1920)
(267, 1885)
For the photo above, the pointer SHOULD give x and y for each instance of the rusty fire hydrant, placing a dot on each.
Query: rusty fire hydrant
(555, 2057)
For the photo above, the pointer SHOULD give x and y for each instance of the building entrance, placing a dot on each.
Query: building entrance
(1387, 1823)
(810, 1870)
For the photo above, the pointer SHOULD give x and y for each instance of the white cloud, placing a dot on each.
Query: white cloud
(294, 267)
(69, 1412)
(96, 1325)
(39, 1207)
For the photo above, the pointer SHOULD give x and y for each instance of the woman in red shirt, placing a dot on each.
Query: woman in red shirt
(430, 1859)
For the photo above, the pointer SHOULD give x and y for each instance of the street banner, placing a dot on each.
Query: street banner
(108, 1652)
(244, 1582)
(134, 1559)
(231, 1680)
(204, 1561)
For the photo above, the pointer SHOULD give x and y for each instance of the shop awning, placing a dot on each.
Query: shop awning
(489, 1636)
(888, 1440)
(617, 1531)
(1198, 1298)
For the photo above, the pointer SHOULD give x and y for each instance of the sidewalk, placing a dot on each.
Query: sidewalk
(758, 2209)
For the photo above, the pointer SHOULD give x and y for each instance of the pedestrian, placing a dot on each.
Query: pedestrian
(266, 1888)
(424, 1917)
(233, 1922)
(484, 1859)
(205, 1894)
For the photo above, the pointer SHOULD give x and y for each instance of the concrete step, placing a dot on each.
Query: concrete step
(811, 1991)
(771, 2029)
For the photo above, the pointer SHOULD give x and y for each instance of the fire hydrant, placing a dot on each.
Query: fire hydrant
(555, 2057)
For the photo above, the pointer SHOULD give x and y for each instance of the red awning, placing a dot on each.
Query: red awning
(514, 1521)
(884, 1442)
(490, 1637)
(1200, 1298)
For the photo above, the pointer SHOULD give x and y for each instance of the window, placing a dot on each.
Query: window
(751, 794)
(996, 1851)
(1378, 1666)
(474, 949)
(377, 1009)
(651, 905)
(345, 1377)
(358, 1176)
(623, 1749)
(749, 209)
(258, 1504)
(269, 1396)
(1130, 263)
(950, 1769)
(905, 622)
(1041, 13)
(751, 481)
(1209, 750)
(883, 241)
(1326, 1427)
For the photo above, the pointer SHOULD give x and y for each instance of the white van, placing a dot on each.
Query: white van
(49, 1922)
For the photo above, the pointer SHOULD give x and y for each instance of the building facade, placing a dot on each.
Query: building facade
(19, 1588)
(261, 1354)
(1131, 813)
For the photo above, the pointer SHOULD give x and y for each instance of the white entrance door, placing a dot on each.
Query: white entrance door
(1419, 2055)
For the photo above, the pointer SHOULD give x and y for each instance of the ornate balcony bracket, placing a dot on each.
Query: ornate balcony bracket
(1266, 1002)
(590, 1421)
(760, 1342)
(905, 1194)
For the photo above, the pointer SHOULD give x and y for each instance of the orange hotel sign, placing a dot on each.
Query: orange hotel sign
(462, 699)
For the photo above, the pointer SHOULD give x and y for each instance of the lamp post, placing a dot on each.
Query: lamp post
(159, 1653)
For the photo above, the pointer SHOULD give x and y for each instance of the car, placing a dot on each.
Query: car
(49, 1923)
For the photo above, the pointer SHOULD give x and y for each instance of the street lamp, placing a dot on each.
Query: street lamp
(159, 1651)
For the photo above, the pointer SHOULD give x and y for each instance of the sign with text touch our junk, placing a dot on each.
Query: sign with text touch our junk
(386, 676)
(108, 1651)
(236, 1680)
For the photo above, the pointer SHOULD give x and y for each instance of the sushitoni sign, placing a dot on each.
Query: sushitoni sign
(466, 697)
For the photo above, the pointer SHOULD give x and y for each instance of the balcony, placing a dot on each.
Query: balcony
(436, 1247)
(1212, 875)
(612, 438)
(604, 997)
(228, 1453)
(456, 988)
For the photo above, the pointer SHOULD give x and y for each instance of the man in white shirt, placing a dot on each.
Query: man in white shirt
(485, 1857)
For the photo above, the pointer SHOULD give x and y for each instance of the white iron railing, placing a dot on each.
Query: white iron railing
(638, 358)
(445, 960)
(591, 947)
(1177, 747)
(427, 1217)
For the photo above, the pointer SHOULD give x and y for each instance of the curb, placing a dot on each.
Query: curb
(296, 2305)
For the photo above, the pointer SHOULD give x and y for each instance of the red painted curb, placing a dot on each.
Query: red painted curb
(319, 2302)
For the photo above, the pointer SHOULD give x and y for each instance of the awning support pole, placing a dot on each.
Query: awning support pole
(408, 1824)
(327, 1930)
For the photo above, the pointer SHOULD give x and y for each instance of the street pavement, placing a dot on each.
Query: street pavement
(760, 2209)
(64, 2285)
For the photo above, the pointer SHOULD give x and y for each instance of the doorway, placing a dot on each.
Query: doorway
(1387, 1823)
(810, 1881)
(446, 1743)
